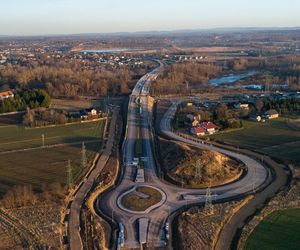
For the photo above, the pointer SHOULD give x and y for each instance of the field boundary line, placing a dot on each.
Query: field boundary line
(282, 144)
(50, 146)
(67, 124)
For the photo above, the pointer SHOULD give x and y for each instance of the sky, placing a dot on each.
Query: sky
(41, 17)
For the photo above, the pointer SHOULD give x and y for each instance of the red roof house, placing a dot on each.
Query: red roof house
(198, 131)
(209, 127)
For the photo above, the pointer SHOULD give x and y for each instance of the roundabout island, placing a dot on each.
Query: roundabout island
(141, 199)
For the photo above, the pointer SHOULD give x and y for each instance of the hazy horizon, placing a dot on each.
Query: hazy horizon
(154, 32)
(60, 17)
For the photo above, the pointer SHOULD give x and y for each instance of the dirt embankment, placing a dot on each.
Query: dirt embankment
(198, 230)
(196, 168)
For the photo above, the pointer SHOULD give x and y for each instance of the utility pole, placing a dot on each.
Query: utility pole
(83, 156)
(182, 182)
(43, 140)
(70, 174)
(187, 87)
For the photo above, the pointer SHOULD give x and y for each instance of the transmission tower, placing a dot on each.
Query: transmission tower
(208, 208)
(83, 156)
(70, 174)
(198, 170)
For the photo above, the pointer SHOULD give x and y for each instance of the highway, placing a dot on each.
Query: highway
(257, 176)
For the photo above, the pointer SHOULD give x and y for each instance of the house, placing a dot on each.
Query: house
(209, 127)
(91, 111)
(6, 94)
(198, 131)
(256, 118)
(241, 106)
(272, 114)
(85, 113)
(195, 123)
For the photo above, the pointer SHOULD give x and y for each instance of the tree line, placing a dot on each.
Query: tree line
(179, 78)
(71, 79)
(34, 98)
(283, 106)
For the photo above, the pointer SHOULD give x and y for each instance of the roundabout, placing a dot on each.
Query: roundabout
(144, 208)
(141, 199)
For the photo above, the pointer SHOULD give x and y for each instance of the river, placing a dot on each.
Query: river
(231, 78)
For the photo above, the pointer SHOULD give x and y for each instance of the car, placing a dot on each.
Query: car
(133, 163)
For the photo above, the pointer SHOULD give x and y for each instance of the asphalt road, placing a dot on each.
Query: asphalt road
(256, 178)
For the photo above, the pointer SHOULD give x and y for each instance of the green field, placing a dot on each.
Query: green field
(280, 230)
(19, 137)
(273, 137)
(41, 166)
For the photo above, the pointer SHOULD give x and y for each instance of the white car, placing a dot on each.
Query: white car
(133, 163)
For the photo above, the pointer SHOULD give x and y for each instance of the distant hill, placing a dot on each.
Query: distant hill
(160, 33)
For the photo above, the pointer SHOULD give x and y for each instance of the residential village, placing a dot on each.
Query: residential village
(24, 57)
(204, 119)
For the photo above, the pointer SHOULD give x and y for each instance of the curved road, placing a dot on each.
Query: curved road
(176, 197)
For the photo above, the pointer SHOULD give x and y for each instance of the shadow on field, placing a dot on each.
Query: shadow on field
(91, 144)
